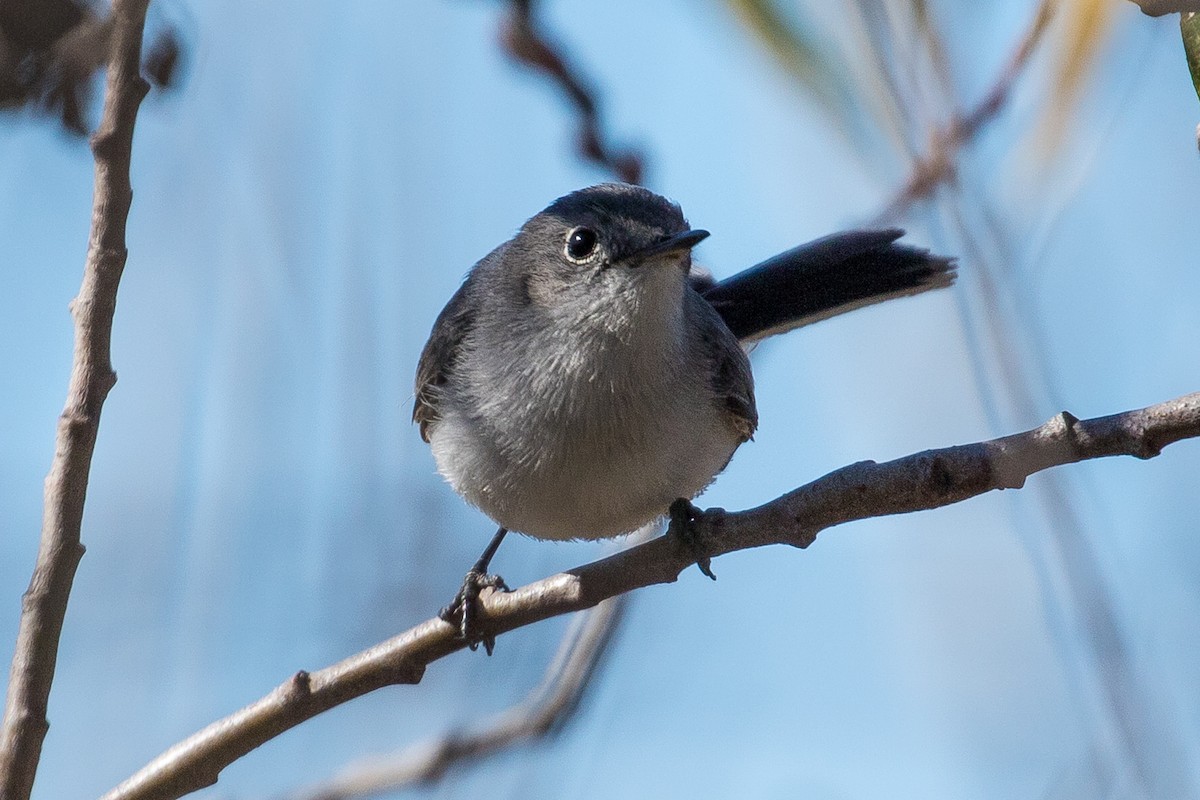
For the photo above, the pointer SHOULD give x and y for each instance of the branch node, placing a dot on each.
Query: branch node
(1146, 446)
(300, 686)
(76, 421)
(940, 476)
(141, 87)
(1068, 423)
(111, 258)
(803, 536)
(107, 144)
(407, 672)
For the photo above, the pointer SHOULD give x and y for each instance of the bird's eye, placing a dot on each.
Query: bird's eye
(581, 243)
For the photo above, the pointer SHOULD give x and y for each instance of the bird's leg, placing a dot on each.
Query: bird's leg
(684, 518)
(465, 606)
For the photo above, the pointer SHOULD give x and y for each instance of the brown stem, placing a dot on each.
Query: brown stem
(44, 604)
(546, 709)
(525, 40)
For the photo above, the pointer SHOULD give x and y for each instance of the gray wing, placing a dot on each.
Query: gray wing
(439, 357)
(732, 381)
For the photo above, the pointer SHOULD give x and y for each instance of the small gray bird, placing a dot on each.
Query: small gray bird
(584, 381)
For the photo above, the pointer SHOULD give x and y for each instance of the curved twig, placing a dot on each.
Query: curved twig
(525, 41)
(45, 602)
(922, 481)
(938, 165)
(542, 712)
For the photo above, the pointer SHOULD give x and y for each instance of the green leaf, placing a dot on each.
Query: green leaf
(1190, 25)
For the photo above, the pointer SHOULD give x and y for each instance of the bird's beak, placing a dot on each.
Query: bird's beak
(679, 243)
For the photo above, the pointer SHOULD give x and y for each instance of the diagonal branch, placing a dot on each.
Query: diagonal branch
(939, 164)
(918, 482)
(547, 708)
(45, 602)
(525, 40)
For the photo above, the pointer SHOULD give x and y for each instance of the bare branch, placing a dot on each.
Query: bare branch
(526, 42)
(923, 481)
(45, 602)
(938, 165)
(542, 712)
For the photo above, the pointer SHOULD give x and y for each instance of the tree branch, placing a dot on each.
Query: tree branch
(524, 40)
(45, 602)
(922, 481)
(542, 712)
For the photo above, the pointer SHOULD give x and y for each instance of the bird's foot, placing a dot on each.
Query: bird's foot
(464, 609)
(684, 519)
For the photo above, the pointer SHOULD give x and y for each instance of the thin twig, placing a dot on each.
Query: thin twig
(918, 482)
(548, 708)
(526, 41)
(45, 602)
(938, 165)
(545, 710)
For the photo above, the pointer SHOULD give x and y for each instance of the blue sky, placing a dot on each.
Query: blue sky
(260, 503)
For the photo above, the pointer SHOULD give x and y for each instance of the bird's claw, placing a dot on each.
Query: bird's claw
(684, 518)
(464, 609)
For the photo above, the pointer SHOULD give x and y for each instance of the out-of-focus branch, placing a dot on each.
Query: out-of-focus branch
(938, 164)
(526, 41)
(918, 482)
(542, 712)
(45, 602)
(49, 50)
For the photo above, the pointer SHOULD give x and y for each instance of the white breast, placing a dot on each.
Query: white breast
(590, 444)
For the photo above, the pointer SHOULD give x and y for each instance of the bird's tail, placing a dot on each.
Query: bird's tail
(822, 279)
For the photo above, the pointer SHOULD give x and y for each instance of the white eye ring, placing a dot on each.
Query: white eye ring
(581, 245)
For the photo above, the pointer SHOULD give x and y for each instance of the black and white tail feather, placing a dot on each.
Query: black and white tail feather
(822, 279)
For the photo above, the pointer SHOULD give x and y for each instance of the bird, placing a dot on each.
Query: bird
(586, 379)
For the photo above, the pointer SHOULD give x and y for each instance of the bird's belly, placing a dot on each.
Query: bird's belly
(590, 475)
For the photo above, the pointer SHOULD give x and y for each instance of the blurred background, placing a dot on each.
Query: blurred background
(314, 184)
